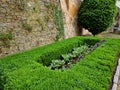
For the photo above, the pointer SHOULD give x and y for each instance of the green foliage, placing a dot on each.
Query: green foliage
(58, 21)
(94, 72)
(97, 15)
(79, 50)
(57, 64)
(2, 79)
(66, 58)
(27, 26)
(6, 36)
(57, 16)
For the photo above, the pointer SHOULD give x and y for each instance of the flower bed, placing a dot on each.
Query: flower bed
(28, 70)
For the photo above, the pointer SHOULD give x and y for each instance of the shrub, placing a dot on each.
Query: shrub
(97, 15)
(94, 72)
(2, 80)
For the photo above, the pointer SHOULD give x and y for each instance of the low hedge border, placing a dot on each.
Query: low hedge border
(24, 71)
(55, 50)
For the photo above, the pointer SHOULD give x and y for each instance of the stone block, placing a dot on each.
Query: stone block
(5, 50)
(17, 14)
(8, 20)
(12, 6)
(15, 17)
(3, 0)
(114, 87)
(3, 10)
(4, 5)
(85, 32)
(1, 19)
(119, 62)
(115, 80)
(9, 17)
(117, 71)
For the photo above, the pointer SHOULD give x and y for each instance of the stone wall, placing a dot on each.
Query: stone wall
(30, 23)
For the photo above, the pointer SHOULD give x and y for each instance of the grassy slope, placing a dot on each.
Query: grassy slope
(93, 73)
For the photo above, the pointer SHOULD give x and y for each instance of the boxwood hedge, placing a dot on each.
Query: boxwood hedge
(27, 70)
(97, 15)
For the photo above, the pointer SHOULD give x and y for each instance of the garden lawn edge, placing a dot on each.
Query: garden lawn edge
(26, 70)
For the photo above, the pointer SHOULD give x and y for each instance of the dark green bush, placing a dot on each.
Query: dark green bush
(2, 77)
(97, 15)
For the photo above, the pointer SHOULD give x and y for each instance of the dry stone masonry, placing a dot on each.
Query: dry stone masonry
(30, 21)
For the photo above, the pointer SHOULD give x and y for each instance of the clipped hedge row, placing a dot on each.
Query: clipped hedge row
(55, 50)
(97, 15)
(22, 71)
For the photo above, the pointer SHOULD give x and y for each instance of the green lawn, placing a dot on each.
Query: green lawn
(27, 70)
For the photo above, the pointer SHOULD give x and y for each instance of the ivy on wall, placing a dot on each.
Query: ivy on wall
(58, 21)
(54, 12)
(57, 16)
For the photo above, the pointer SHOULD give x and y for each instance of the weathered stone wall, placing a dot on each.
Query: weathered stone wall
(30, 21)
